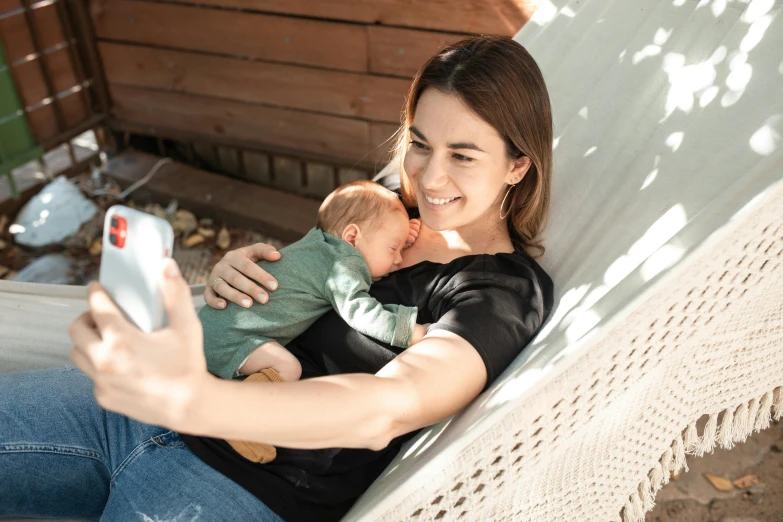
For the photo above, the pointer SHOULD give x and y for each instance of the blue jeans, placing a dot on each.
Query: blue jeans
(62, 455)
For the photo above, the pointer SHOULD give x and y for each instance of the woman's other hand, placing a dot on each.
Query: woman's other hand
(235, 277)
(152, 377)
(413, 234)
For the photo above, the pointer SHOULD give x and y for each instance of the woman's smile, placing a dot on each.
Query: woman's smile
(439, 204)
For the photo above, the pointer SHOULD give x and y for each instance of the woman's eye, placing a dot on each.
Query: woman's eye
(460, 157)
(418, 145)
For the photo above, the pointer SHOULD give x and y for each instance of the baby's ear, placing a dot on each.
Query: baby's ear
(350, 234)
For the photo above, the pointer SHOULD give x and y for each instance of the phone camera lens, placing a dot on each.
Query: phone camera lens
(113, 239)
(114, 223)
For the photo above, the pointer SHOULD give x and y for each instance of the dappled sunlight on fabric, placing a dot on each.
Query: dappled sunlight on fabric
(653, 174)
(765, 140)
(674, 140)
(686, 81)
(545, 13)
(666, 257)
(516, 386)
(655, 237)
(569, 301)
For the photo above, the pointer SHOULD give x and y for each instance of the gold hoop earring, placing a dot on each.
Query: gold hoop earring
(504, 202)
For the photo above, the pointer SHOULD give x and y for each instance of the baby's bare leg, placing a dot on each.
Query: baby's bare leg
(273, 355)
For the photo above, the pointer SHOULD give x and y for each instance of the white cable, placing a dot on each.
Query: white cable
(125, 193)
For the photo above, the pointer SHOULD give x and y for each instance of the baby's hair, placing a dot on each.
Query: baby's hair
(359, 202)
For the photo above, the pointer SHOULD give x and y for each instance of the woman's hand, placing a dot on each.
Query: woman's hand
(152, 377)
(413, 234)
(234, 277)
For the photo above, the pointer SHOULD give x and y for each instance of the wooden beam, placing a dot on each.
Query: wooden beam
(238, 203)
(266, 37)
(504, 17)
(320, 134)
(289, 86)
(401, 52)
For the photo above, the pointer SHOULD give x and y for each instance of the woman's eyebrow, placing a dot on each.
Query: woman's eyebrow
(460, 145)
(465, 145)
(417, 132)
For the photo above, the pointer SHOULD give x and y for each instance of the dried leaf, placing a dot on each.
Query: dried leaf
(205, 222)
(184, 222)
(3, 223)
(746, 482)
(96, 247)
(719, 483)
(195, 239)
(223, 239)
(206, 232)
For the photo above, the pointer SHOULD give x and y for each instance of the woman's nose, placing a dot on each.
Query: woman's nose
(433, 175)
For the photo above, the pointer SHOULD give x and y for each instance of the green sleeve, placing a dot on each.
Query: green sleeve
(347, 289)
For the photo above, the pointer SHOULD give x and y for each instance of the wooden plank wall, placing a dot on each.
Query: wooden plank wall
(27, 67)
(324, 79)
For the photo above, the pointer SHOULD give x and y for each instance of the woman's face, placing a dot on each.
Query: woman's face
(457, 164)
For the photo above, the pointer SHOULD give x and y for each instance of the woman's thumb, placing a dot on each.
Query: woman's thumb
(176, 296)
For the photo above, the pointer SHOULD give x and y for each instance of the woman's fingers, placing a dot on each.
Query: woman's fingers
(259, 251)
(236, 277)
(212, 299)
(177, 298)
(225, 290)
(84, 336)
(104, 312)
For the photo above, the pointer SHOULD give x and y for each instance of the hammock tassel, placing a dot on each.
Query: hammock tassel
(646, 494)
(666, 465)
(707, 443)
(678, 450)
(742, 427)
(753, 412)
(764, 419)
(777, 404)
(726, 432)
(691, 438)
(633, 509)
(657, 476)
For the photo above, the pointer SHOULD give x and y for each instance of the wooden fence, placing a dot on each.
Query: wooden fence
(279, 92)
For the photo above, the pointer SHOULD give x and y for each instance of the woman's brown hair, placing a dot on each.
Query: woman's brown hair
(501, 83)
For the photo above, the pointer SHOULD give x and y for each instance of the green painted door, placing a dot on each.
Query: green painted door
(17, 145)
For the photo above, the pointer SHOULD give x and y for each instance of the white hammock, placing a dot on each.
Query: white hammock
(666, 247)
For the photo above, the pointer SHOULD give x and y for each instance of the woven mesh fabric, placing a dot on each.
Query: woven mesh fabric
(600, 439)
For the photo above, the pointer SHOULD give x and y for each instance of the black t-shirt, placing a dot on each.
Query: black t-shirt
(495, 302)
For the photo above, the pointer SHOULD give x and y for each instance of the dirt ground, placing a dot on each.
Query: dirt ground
(692, 498)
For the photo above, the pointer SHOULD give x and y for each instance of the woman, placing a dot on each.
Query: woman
(477, 149)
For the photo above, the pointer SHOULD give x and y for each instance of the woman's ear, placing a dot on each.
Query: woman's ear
(351, 234)
(519, 168)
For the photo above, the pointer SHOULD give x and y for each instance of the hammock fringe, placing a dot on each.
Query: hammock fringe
(737, 424)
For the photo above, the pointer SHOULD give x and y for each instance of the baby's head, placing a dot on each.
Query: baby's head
(372, 219)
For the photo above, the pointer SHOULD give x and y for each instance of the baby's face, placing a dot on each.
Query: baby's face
(382, 247)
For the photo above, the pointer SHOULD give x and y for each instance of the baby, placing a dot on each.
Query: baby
(361, 230)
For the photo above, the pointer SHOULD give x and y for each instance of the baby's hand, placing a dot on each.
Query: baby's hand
(418, 332)
(414, 232)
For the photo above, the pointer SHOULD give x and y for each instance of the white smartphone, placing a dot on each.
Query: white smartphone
(135, 245)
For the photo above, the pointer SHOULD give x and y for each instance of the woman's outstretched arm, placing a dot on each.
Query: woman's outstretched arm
(425, 384)
(161, 378)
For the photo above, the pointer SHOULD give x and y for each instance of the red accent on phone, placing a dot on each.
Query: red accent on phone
(117, 231)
